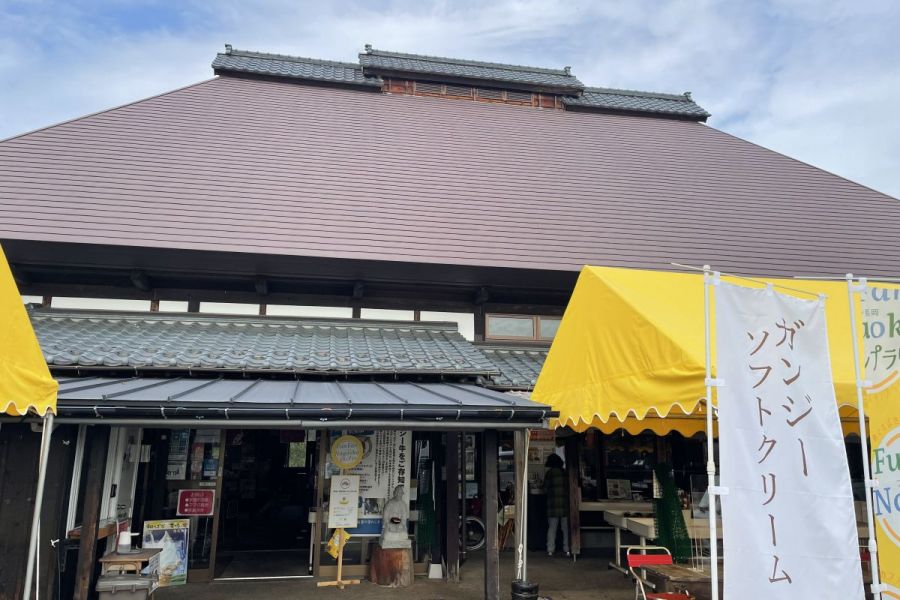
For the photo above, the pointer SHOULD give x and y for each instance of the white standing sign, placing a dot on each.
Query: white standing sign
(789, 526)
(343, 503)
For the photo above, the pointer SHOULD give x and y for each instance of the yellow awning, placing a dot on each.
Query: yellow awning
(631, 345)
(25, 381)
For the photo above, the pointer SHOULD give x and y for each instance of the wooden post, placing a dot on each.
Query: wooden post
(451, 537)
(323, 449)
(573, 469)
(489, 484)
(95, 459)
(520, 443)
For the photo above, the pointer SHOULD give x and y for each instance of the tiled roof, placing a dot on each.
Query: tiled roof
(519, 367)
(294, 67)
(380, 61)
(633, 101)
(286, 170)
(147, 341)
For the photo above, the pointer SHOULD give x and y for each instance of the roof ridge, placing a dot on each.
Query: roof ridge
(640, 94)
(289, 58)
(446, 326)
(472, 63)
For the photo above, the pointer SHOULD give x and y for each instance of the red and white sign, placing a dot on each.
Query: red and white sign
(196, 503)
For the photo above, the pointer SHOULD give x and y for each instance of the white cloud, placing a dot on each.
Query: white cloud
(815, 79)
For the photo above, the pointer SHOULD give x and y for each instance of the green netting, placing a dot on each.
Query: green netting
(671, 530)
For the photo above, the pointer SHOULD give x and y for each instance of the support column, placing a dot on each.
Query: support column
(35, 537)
(573, 469)
(451, 505)
(489, 484)
(95, 460)
(520, 451)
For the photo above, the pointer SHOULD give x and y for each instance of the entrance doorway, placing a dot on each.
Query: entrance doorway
(268, 488)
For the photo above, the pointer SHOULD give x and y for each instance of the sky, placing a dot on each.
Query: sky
(818, 80)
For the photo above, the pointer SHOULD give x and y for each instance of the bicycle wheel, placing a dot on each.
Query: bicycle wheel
(473, 533)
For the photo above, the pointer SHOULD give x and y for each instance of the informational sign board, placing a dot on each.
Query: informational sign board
(386, 463)
(196, 503)
(881, 343)
(343, 502)
(172, 537)
(789, 525)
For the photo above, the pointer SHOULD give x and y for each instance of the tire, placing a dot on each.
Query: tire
(472, 534)
(524, 596)
(524, 587)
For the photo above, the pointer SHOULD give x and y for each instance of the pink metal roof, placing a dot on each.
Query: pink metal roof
(275, 167)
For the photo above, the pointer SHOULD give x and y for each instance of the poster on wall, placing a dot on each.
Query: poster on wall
(196, 503)
(343, 502)
(782, 452)
(386, 463)
(881, 344)
(172, 537)
(176, 467)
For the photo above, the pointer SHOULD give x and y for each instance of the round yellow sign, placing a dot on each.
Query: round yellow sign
(347, 451)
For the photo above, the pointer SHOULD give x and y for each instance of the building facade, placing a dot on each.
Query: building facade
(305, 247)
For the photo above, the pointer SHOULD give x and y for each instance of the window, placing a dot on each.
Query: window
(521, 327)
(173, 306)
(465, 322)
(384, 314)
(548, 327)
(326, 312)
(229, 308)
(100, 303)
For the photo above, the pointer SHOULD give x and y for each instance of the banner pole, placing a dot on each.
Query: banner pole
(863, 436)
(710, 448)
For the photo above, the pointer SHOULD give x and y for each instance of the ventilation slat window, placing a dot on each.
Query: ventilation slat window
(424, 87)
(490, 94)
(459, 90)
(519, 97)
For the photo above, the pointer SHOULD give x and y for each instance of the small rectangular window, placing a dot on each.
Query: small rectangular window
(510, 327)
(529, 328)
(548, 327)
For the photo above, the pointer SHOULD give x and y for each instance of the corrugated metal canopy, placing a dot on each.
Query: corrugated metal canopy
(333, 401)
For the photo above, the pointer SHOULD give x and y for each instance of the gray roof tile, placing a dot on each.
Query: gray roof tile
(634, 101)
(294, 67)
(519, 367)
(259, 344)
(380, 61)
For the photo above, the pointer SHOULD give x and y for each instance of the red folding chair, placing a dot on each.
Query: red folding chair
(639, 557)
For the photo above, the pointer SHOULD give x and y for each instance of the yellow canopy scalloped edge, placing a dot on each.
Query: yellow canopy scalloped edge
(25, 381)
(631, 344)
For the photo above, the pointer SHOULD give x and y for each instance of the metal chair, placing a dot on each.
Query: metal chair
(640, 559)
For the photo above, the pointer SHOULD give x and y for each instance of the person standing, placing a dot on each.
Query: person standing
(556, 488)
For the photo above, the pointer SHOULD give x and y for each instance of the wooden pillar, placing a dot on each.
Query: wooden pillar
(451, 505)
(95, 460)
(520, 442)
(322, 447)
(572, 469)
(489, 484)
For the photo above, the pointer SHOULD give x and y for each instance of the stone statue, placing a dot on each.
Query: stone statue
(394, 522)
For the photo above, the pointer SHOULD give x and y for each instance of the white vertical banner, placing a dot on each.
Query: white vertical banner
(789, 526)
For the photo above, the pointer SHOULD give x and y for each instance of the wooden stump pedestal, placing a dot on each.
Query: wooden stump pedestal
(391, 567)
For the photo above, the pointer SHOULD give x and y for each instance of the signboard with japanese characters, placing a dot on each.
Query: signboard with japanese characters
(386, 463)
(881, 343)
(343, 501)
(789, 525)
(196, 503)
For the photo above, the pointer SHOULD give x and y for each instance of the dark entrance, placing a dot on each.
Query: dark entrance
(268, 487)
